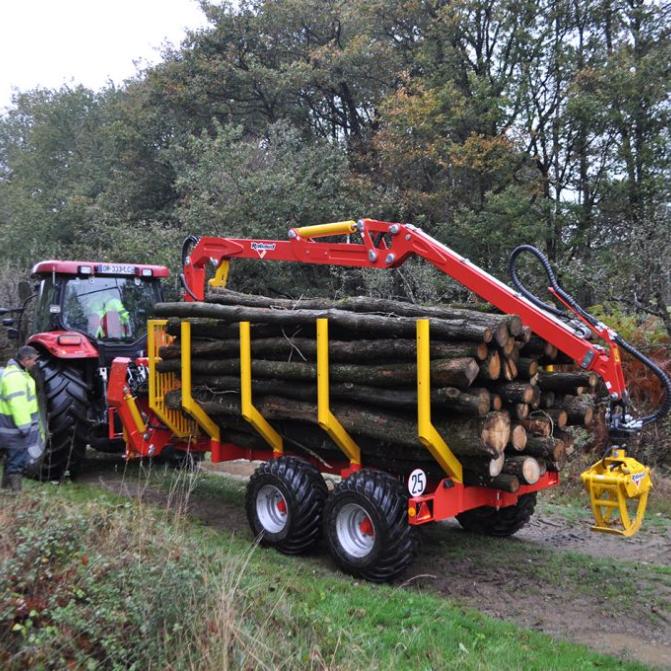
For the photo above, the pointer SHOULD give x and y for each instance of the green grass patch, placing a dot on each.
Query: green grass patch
(92, 581)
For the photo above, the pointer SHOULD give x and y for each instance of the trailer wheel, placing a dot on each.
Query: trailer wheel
(366, 526)
(64, 399)
(284, 502)
(502, 522)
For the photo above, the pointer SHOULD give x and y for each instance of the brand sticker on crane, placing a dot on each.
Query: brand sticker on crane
(262, 248)
(637, 478)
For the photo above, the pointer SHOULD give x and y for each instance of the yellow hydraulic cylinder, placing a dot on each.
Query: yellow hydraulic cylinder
(325, 418)
(428, 435)
(248, 410)
(221, 274)
(336, 228)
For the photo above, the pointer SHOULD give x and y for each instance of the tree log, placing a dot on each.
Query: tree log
(579, 409)
(515, 392)
(537, 426)
(473, 402)
(566, 383)
(490, 368)
(518, 438)
(347, 351)
(525, 468)
(502, 326)
(361, 324)
(489, 467)
(444, 372)
(527, 367)
(558, 416)
(549, 448)
(468, 436)
(505, 482)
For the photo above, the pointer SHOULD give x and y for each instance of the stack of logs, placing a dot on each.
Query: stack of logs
(500, 412)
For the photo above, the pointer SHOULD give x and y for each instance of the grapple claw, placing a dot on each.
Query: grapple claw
(618, 487)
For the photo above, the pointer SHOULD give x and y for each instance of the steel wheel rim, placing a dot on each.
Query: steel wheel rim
(272, 509)
(355, 530)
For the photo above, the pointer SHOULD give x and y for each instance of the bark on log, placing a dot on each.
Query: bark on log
(215, 329)
(515, 392)
(549, 448)
(468, 436)
(490, 368)
(539, 347)
(346, 351)
(489, 467)
(548, 399)
(526, 469)
(558, 416)
(443, 399)
(361, 324)
(566, 383)
(505, 482)
(444, 372)
(527, 367)
(579, 409)
(537, 426)
(502, 325)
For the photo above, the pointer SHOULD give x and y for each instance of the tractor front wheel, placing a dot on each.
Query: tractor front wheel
(366, 526)
(64, 399)
(284, 502)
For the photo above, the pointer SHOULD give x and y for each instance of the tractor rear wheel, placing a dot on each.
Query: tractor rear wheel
(366, 526)
(64, 398)
(502, 522)
(284, 502)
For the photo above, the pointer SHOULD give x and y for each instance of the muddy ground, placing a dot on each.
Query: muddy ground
(554, 576)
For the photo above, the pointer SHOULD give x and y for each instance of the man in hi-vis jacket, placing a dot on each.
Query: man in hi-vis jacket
(19, 416)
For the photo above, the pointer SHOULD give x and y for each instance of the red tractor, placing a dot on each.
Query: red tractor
(86, 314)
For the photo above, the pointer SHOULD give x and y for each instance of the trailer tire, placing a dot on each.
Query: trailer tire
(284, 504)
(64, 399)
(366, 526)
(503, 522)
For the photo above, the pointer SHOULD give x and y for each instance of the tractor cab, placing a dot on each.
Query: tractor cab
(98, 309)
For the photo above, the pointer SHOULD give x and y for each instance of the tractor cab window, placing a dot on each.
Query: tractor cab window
(109, 308)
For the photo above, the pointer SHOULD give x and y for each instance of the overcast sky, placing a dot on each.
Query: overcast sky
(54, 42)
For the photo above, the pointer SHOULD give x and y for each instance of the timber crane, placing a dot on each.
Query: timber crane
(612, 482)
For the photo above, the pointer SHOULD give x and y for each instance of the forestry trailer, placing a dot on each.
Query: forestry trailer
(370, 517)
(86, 315)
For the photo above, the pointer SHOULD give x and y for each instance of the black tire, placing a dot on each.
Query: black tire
(65, 396)
(385, 543)
(284, 503)
(502, 522)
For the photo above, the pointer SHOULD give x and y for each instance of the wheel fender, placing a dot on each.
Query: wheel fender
(64, 344)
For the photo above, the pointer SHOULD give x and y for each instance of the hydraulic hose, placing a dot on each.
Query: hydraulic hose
(189, 243)
(665, 407)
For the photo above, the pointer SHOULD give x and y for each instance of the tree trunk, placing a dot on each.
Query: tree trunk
(468, 436)
(346, 351)
(566, 383)
(579, 409)
(444, 372)
(361, 324)
(512, 324)
(505, 482)
(525, 468)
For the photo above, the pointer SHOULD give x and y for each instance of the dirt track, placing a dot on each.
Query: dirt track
(522, 579)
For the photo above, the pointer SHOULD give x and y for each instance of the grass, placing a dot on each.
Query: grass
(93, 581)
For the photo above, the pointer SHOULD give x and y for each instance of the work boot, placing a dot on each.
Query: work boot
(5, 481)
(15, 480)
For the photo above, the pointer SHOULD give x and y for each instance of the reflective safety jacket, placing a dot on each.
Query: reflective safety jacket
(19, 411)
(105, 306)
